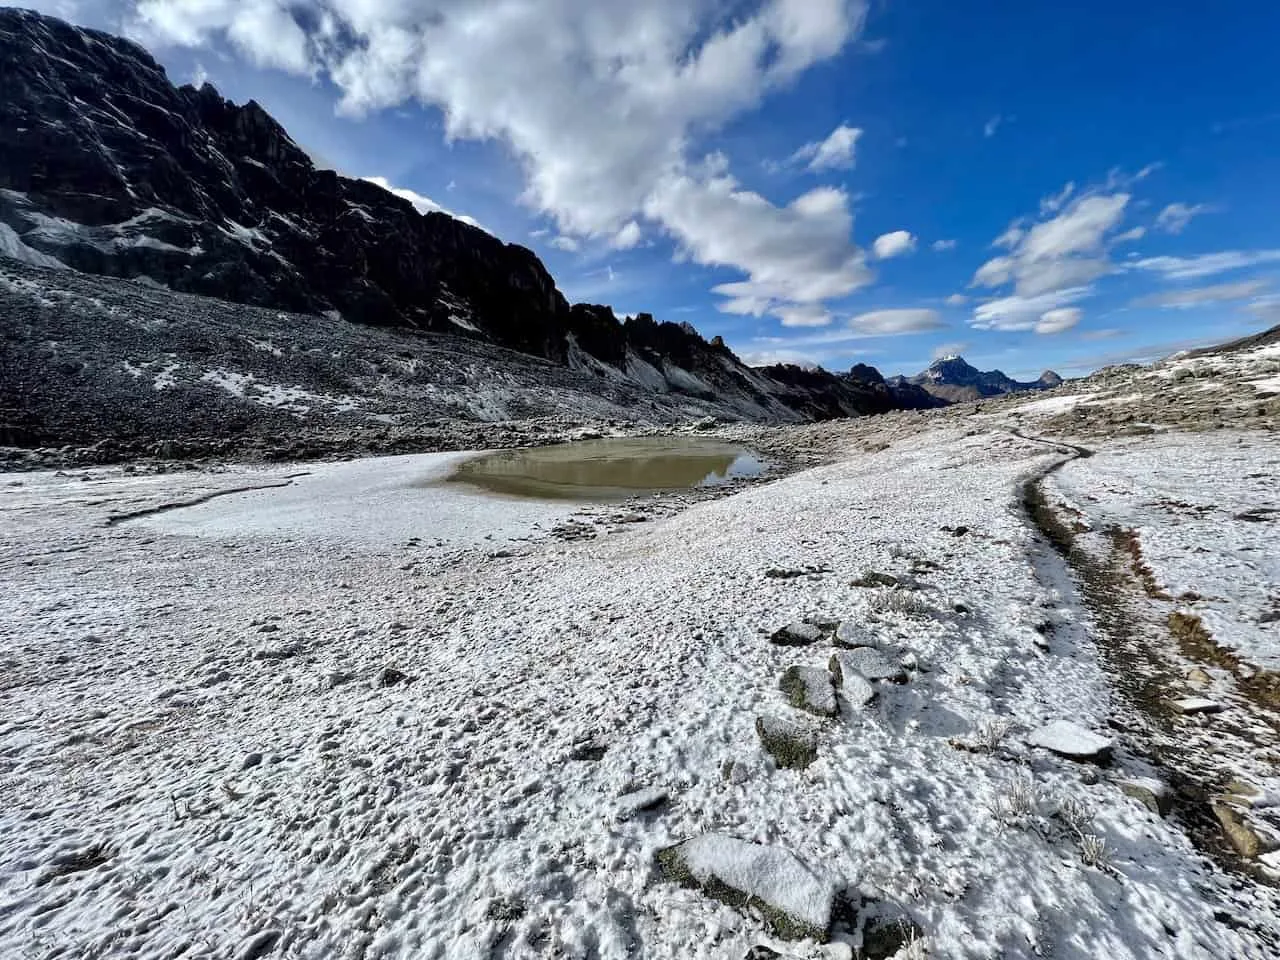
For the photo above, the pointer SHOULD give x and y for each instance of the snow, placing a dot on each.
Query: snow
(11, 245)
(770, 873)
(450, 815)
(1204, 509)
(380, 499)
(1053, 405)
(1070, 740)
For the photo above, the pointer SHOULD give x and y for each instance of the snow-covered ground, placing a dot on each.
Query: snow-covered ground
(1205, 510)
(202, 753)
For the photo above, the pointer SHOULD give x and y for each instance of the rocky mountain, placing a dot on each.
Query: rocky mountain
(108, 169)
(955, 380)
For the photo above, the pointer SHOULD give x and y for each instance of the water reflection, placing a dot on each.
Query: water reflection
(610, 469)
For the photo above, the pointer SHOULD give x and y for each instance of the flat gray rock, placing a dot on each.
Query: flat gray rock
(810, 688)
(798, 634)
(795, 899)
(850, 634)
(1072, 741)
(868, 663)
(1191, 705)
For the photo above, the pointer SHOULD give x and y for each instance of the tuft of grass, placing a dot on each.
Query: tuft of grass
(900, 602)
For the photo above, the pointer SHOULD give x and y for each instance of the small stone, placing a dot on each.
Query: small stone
(792, 743)
(1192, 705)
(1152, 794)
(798, 634)
(734, 771)
(251, 760)
(1072, 741)
(269, 628)
(873, 579)
(390, 676)
(809, 688)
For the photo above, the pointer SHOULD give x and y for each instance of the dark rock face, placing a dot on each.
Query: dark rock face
(953, 379)
(109, 169)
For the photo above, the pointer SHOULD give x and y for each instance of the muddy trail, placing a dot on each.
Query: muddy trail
(1193, 757)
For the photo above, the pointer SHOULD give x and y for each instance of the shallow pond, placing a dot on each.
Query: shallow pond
(610, 469)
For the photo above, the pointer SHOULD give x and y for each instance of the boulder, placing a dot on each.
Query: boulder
(809, 688)
(792, 743)
(850, 634)
(865, 662)
(795, 899)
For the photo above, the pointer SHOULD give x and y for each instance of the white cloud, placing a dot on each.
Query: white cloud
(1205, 264)
(1058, 320)
(1198, 296)
(1266, 309)
(627, 237)
(798, 255)
(957, 300)
(804, 315)
(942, 245)
(1050, 263)
(879, 323)
(423, 204)
(1137, 233)
(953, 349)
(895, 244)
(989, 128)
(603, 105)
(1055, 202)
(834, 153)
(1023, 313)
(265, 31)
(568, 244)
(1175, 217)
(771, 358)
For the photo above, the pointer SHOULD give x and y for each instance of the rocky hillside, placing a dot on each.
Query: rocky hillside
(954, 380)
(109, 169)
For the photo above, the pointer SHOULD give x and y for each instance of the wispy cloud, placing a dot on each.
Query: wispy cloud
(1176, 216)
(1204, 264)
(836, 152)
(1199, 296)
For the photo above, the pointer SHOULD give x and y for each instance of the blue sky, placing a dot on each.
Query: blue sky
(831, 181)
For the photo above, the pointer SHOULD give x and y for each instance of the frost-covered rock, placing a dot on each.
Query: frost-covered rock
(1151, 793)
(791, 743)
(851, 634)
(798, 634)
(865, 662)
(795, 899)
(1073, 741)
(857, 689)
(809, 688)
(1191, 705)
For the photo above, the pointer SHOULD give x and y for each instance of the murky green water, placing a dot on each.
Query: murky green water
(610, 469)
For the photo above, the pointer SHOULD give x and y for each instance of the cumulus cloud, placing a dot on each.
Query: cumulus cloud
(1198, 296)
(794, 256)
(1175, 217)
(1058, 320)
(896, 244)
(880, 323)
(834, 153)
(1205, 264)
(602, 104)
(1053, 262)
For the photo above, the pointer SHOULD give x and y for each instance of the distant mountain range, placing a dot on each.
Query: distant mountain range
(108, 169)
(955, 380)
